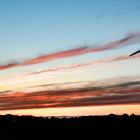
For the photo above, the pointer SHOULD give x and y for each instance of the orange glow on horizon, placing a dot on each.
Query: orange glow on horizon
(78, 111)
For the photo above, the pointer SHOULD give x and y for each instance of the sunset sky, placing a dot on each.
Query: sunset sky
(69, 58)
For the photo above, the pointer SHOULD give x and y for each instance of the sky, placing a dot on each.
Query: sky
(69, 58)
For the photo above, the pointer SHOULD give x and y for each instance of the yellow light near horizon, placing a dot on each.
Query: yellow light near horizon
(78, 111)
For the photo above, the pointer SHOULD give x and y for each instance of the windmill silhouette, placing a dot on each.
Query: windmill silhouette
(135, 53)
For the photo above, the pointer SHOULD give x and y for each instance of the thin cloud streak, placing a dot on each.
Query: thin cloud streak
(80, 65)
(127, 40)
(54, 72)
(3, 67)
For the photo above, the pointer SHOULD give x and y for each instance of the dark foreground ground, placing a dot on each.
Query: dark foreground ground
(115, 125)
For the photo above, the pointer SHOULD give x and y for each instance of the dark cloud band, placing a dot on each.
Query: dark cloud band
(125, 93)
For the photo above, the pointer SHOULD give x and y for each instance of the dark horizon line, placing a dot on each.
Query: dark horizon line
(65, 116)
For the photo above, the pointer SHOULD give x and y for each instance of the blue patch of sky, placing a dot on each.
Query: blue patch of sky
(33, 27)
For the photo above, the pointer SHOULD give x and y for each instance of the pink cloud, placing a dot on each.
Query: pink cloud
(127, 40)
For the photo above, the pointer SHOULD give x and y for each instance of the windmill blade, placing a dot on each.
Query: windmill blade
(135, 53)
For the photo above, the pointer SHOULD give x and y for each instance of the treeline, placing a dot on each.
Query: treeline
(44, 125)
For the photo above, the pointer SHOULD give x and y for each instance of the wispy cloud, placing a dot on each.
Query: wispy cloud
(127, 40)
(52, 73)
(82, 65)
(44, 76)
(6, 91)
(7, 66)
(123, 93)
